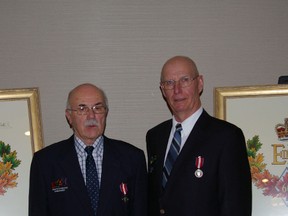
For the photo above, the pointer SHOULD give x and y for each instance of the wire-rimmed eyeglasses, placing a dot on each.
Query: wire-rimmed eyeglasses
(183, 82)
(84, 110)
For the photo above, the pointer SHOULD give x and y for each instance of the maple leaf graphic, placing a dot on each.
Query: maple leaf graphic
(8, 163)
(10, 179)
(5, 167)
(2, 184)
(282, 186)
(267, 182)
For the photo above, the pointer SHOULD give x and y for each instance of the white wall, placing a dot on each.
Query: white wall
(121, 46)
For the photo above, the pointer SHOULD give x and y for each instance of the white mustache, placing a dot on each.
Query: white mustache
(91, 122)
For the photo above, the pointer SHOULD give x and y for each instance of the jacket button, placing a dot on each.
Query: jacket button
(162, 211)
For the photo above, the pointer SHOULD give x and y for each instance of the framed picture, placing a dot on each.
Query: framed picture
(20, 137)
(262, 113)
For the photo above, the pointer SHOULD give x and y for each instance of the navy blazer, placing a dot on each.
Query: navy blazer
(57, 186)
(225, 187)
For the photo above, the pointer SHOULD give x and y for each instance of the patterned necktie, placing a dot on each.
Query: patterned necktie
(92, 182)
(172, 154)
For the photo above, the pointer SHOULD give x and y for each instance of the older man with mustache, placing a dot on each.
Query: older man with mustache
(89, 173)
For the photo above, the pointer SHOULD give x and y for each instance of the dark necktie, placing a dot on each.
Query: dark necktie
(92, 182)
(172, 154)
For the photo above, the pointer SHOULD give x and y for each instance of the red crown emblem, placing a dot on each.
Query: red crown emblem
(282, 130)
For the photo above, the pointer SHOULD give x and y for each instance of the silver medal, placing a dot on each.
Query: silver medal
(198, 173)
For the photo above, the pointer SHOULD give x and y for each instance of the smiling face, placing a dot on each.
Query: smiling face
(183, 101)
(88, 127)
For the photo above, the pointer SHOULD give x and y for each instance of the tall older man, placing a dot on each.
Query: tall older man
(197, 164)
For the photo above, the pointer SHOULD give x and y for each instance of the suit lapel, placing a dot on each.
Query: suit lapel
(110, 176)
(71, 168)
(164, 142)
(161, 146)
(194, 140)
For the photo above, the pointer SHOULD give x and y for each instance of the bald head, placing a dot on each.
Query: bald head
(84, 87)
(177, 60)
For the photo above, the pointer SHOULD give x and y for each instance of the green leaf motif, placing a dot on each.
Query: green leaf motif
(4, 148)
(12, 158)
(253, 146)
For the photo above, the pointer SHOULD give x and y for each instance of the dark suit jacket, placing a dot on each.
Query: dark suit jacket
(225, 187)
(57, 186)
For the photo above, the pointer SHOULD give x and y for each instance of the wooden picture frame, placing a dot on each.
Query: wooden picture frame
(20, 136)
(262, 113)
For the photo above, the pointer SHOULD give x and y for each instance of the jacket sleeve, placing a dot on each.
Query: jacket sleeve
(235, 178)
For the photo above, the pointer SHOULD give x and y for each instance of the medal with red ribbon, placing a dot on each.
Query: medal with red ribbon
(124, 190)
(199, 164)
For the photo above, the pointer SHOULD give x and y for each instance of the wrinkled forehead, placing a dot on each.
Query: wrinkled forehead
(88, 95)
(178, 68)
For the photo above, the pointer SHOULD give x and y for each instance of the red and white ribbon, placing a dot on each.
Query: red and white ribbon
(199, 162)
(123, 188)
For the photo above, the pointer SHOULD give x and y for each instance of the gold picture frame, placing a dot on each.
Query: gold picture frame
(20, 136)
(261, 111)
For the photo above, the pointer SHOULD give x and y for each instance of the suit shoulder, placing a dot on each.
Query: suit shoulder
(121, 146)
(53, 148)
(159, 127)
(123, 152)
(213, 121)
(224, 123)
(215, 126)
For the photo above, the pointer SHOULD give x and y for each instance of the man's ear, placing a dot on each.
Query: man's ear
(200, 84)
(163, 93)
(68, 118)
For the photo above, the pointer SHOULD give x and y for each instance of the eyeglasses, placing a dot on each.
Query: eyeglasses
(183, 82)
(84, 110)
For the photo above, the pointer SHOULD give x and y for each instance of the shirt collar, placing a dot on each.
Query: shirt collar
(80, 146)
(188, 123)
